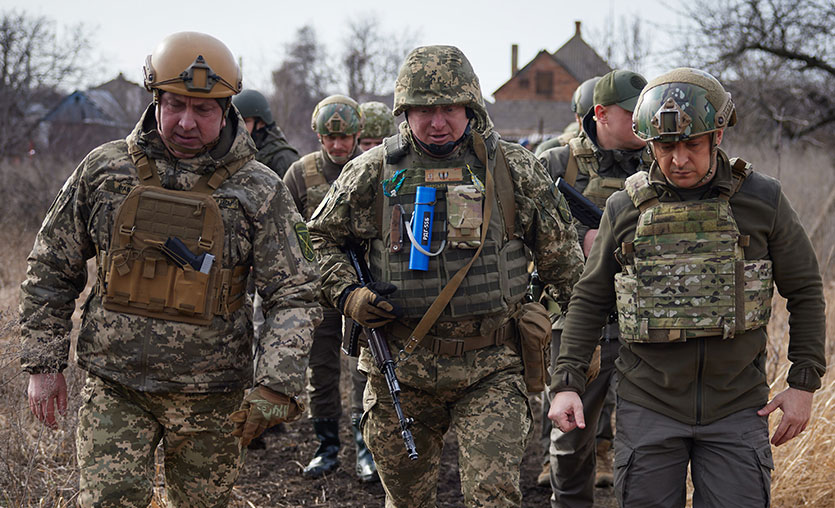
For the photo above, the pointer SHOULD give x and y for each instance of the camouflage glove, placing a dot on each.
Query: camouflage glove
(366, 305)
(262, 408)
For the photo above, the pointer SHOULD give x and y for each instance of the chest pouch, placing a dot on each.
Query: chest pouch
(141, 279)
(465, 216)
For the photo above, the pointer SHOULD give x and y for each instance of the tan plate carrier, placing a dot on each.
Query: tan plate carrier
(140, 279)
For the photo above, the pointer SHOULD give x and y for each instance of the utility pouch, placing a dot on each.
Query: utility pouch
(464, 214)
(534, 326)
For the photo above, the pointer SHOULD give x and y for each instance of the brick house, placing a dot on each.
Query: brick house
(536, 101)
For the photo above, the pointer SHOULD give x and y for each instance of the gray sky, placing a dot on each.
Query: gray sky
(124, 33)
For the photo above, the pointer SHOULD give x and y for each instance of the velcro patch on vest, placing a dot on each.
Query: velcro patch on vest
(305, 244)
(444, 175)
(118, 186)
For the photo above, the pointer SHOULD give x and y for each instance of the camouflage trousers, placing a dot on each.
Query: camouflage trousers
(119, 429)
(481, 395)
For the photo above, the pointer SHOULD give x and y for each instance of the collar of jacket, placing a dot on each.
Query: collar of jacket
(721, 182)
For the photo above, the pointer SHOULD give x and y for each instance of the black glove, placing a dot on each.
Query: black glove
(367, 306)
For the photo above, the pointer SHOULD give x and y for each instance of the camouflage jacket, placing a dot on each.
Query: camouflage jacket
(157, 355)
(348, 213)
(702, 380)
(296, 184)
(274, 150)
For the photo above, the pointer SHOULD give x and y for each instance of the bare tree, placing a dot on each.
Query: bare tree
(34, 61)
(776, 56)
(623, 43)
(302, 80)
(371, 58)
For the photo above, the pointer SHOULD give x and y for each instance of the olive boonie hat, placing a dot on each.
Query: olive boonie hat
(619, 87)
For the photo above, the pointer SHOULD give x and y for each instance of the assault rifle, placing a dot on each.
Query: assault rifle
(581, 208)
(379, 348)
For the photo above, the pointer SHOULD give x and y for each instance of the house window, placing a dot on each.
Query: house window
(524, 83)
(544, 83)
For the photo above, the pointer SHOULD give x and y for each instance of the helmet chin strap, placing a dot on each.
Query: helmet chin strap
(446, 148)
(714, 149)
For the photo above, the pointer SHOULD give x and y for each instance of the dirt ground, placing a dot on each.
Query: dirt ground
(272, 477)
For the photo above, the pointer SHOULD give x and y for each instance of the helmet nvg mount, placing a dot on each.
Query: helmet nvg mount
(337, 114)
(193, 64)
(681, 104)
(252, 104)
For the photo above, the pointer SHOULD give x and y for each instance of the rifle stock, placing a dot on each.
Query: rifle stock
(380, 351)
(581, 208)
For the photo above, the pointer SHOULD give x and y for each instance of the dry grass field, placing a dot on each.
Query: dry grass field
(37, 465)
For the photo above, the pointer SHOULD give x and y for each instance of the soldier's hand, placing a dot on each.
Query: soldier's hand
(262, 408)
(367, 306)
(567, 411)
(797, 410)
(46, 392)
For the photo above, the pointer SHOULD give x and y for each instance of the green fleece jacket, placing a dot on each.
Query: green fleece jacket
(705, 379)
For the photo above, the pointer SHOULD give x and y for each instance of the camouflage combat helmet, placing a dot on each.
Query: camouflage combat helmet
(379, 122)
(681, 104)
(583, 99)
(193, 64)
(252, 104)
(336, 114)
(437, 76)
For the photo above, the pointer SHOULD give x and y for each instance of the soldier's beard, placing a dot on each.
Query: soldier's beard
(338, 160)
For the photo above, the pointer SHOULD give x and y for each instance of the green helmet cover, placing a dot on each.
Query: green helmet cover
(379, 122)
(251, 103)
(681, 104)
(337, 114)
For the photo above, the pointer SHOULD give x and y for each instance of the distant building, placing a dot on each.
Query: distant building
(536, 101)
(85, 119)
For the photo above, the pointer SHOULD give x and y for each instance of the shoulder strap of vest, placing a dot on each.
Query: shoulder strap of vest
(643, 195)
(395, 147)
(312, 175)
(207, 184)
(740, 169)
(571, 168)
(145, 167)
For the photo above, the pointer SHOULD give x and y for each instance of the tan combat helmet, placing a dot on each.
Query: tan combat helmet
(193, 64)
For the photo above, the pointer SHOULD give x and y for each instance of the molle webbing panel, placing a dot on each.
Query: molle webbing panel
(689, 277)
(498, 277)
(140, 278)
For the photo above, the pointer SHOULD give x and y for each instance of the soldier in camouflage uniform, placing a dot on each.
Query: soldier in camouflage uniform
(167, 342)
(596, 163)
(273, 148)
(581, 103)
(378, 123)
(688, 252)
(467, 372)
(337, 122)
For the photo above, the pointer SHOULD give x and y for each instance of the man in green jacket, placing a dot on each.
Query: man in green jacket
(688, 252)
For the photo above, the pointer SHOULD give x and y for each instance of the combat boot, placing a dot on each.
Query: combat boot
(603, 474)
(326, 458)
(366, 469)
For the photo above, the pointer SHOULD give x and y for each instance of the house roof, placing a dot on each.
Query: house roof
(97, 107)
(580, 60)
